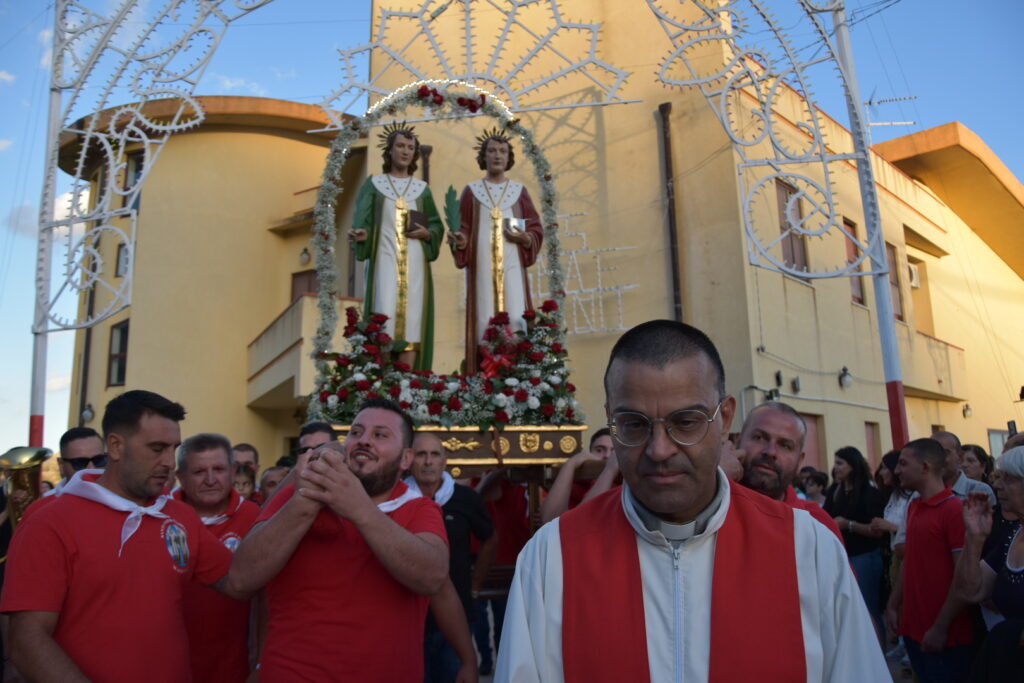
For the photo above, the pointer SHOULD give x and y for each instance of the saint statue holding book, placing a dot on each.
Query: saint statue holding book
(499, 237)
(398, 232)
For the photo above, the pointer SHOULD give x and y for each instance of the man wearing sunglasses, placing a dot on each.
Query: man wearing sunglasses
(679, 574)
(81, 448)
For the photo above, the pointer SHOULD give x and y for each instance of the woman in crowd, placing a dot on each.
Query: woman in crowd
(853, 504)
(1000, 575)
(245, 480)
(815, 484)
(977, 464)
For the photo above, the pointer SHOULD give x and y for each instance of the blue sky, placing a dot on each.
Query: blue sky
(954, 57)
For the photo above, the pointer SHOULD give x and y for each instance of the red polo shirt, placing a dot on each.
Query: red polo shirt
(935, 530)
(64, 559)
(336, 613)
(218, 626)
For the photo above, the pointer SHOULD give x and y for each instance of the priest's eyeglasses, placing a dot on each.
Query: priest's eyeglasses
(685, 427)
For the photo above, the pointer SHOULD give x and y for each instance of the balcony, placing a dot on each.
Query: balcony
(932, 368)
(280, 371)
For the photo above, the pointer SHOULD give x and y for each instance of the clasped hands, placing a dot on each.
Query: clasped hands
(325, 479)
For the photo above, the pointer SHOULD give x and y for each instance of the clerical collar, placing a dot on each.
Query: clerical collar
(676, 533)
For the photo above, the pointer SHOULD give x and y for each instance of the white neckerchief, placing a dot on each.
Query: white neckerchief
(395, 503)
(226, 515)
(443, 495)
(90, 490)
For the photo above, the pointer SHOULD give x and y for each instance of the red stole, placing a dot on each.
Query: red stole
(756, 631)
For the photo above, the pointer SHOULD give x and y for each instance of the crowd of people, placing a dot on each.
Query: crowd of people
(669, 546)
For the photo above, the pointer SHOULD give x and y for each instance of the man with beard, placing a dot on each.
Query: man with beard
(712, 582)
(350, 557)
(217, 625)
(771, 448)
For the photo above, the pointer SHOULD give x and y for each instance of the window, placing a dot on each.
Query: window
(121, 265)
(813, 450)
(852, 254)
(305, 282)
(873, 439)
(894, 282)
(117, 360)
(132, 173)
(997, 438)
(794, 249)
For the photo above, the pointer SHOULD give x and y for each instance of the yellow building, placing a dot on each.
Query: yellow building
(220, 322)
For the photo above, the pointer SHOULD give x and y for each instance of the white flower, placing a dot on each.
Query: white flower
(533, 403)
(453, 386)
(405, 396)
(511, 382)
(404, 384)
(555, 380)
(359, 377)
(332, 400)
(535, 373)
(420, 412)
(544, 387)
(500, 400)
(560, 403)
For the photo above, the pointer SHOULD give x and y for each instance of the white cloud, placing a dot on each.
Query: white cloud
(46, 38)
(284, 75)
(58, 382)
(229, 83)
(23, 220)
(6, 76)
(4, 144)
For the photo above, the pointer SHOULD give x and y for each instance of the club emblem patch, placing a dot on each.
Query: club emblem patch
(231, 541)
(176, 540)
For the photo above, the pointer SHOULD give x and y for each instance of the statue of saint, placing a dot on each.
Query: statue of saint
(499, 237)
(398, 231)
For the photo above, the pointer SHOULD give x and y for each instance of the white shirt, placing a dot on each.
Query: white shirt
(839, 641)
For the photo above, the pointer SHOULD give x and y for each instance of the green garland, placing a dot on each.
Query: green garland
(455, 99)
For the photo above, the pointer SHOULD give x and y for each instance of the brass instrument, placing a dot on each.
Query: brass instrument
(24, 465)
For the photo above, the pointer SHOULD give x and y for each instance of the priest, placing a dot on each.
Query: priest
(680, 574)
(499, 237)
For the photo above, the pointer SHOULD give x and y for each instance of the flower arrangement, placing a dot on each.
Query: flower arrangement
(524, 381)
(446, 98)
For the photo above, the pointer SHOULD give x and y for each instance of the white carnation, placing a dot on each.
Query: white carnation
(511, 382)
(500, 400)
(560, 403)
(359, 377)
(453, 386)
(555, 380)
(332, 400)
(533, 403)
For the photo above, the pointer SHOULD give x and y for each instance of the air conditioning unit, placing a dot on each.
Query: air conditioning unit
(915, 276)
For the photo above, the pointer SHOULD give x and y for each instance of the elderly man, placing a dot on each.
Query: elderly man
(700, 567)
(771, 448)
(95, 579)
(217, 625)
(351, 556)
(465, 518)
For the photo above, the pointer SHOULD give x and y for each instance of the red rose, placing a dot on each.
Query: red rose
(508, 391)
(536, 356)
(402, 367)
(372, 327)
(569, 414)
(362, 385)
(405, 405)
(549, 306)
(557, 348)
(423, 91)
(351, 315)
(500, 319)
(416, 384)
(383, 338)
(501, 416)
(344, 361)
(522, 395)
(324, 395)
(438, 386)
(488, 387)
(454, 403)
(462, 101)
(343, 393)
(571, 387)
(349, 330)
(438, 99)
(435, 407)
(378, 318)
(490, 334)
(525, 346)
(373, 394)
(529, 314)
(371, 349)
(535, 381)
(548, 410)
(395, 391)
(473, 106)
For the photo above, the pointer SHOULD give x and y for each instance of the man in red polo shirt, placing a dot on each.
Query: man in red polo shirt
(217, 625)
(351, 556)
(771, 448)
(936, 628)
(95, 579)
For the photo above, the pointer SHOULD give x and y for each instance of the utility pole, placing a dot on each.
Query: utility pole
(876, 239)
(37, 405)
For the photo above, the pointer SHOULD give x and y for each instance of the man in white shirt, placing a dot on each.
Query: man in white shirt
(673, 575)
